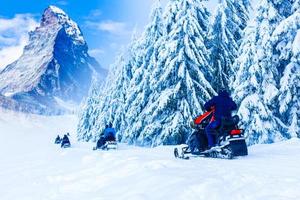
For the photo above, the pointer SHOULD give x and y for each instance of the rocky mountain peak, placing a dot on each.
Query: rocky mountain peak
(55, 18)
(53, 14)
(55, 67)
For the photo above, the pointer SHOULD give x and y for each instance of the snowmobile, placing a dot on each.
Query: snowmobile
(65, 143)
(57, 140)
(230, 140)
(111, 143)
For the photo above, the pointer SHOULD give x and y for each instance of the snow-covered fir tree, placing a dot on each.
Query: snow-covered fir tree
(225, 37)
(164, 78)
(154, 99)
(296, 6)
(286, 45)
(178, 83)
(139, 88)
(121, 93)
(88, 115)
(100, 106)
(111, 108)
(221, 55)
(255, 86)
(245, 80)
(242, 8)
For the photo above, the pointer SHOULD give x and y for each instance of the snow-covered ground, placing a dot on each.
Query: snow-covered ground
(32, 167)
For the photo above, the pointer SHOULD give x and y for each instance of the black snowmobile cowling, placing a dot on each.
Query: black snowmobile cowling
(106, 143)
(230, 139)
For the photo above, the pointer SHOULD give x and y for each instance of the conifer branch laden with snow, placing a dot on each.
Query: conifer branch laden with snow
(167, 74)
(169, 85)
(260, 83)
(225, 36)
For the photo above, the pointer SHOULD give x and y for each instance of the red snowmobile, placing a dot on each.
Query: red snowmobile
(230, 140)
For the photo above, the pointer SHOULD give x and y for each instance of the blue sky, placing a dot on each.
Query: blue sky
(107, 25)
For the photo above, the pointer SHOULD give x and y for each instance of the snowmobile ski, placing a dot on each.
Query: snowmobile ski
(180, 155)
(107, 146)
(223, 152)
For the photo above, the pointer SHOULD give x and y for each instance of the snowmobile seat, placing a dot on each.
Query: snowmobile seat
(229, 123)
(224, 130)
(110, 138)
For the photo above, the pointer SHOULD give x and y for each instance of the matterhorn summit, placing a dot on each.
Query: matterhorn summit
(55, 68)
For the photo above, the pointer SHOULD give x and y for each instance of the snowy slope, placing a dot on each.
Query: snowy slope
(33, 168)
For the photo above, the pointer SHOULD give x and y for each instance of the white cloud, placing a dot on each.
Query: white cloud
(112, 27)
(95, 13)
(11, 53)
(114, 45)
(14, 36)
(92, 16)
(62, 3)
(96, 52)
(7, 40)
(19, 23)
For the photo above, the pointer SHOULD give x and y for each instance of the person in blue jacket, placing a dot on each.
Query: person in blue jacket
(109, 135)
(222, 105)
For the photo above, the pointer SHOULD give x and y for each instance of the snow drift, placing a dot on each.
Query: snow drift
(34, 168)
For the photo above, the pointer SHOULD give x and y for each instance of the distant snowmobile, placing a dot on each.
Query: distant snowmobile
(65, 143)
(108, 139)
(230, 140)
(57, 140)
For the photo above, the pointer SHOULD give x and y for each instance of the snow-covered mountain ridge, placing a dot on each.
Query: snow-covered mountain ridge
(55, 63)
